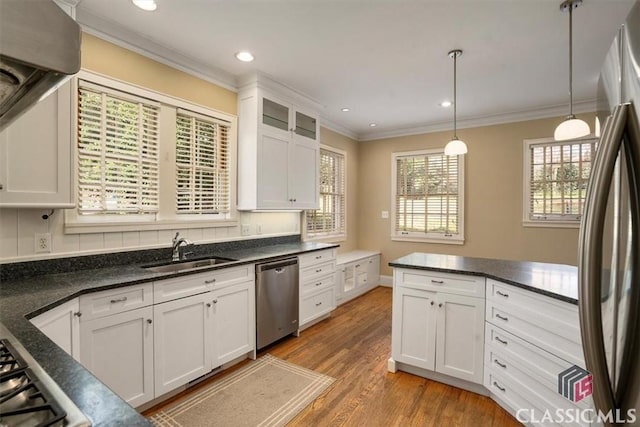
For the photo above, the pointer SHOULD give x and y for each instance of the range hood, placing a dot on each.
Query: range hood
(39, 50)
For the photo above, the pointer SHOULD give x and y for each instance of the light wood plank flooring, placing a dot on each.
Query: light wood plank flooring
(353, 346)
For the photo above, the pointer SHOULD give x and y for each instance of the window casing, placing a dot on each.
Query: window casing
(329, 220)
(151, 209)
(428, 197)
(556, 174)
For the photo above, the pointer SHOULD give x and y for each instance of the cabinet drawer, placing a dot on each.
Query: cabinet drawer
(106, 303)
(316, 305)
(536, 396)
(506, 352)
(440, 282)
(316, 257)
(184, 286)
(318, 270)
(510, 397)
(545, 322)
(313, 285)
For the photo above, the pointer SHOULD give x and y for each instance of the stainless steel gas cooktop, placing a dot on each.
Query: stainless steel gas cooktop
(28, 396)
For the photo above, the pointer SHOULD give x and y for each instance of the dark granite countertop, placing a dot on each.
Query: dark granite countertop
(21, 299)
(557, 281)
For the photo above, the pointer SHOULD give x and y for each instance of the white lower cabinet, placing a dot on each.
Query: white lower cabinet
(182, 341)
(438, 323)
(530, 340)
(357, 273)
(62, 325)
(118, 350)
(233, 322)
(317, 286)
(143, 350)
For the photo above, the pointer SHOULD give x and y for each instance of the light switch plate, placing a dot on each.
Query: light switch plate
(384, 214)
(246, 229)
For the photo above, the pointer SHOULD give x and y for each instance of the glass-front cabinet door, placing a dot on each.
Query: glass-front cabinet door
(275, 114)
(305, 125)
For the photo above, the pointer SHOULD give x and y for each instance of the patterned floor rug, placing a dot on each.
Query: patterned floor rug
(265, 392)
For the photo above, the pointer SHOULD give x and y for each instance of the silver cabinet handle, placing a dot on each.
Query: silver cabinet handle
(432, 302)
(208, 304)
(440, 305)
(319, 257)
(357, 265)
(318, 270)
(319, 304)
(209, 281)
(123, 299)
(77, 313)
(502, 294)
(215, 301)
(438, 282)
(499, 387)
(506, 319)
(319, 283)
(501, 341)
(149, 321)
(502, 365)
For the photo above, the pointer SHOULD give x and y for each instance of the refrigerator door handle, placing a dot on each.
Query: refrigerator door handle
(590, 257)
(628, 393)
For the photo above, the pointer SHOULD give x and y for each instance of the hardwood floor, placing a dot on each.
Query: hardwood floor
(353, 347)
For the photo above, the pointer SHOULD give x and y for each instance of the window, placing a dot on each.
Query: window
(117, 152)
(330, 218)
(202, 164)
(428, 194)
(556, 177)
(132, 142)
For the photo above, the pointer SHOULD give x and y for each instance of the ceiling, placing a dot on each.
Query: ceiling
(386, 60)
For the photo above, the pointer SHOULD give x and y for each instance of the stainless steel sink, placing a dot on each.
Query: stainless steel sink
(174, 267)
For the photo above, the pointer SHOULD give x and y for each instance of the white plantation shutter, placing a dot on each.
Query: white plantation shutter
(428, 190)
(202, 164)
(330, 217)
(117, 152)
(558, 174)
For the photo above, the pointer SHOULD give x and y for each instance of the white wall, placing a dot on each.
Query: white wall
(18, 228)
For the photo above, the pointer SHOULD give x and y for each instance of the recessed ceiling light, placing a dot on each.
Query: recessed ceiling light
(373, 125)
(446, 104)
(244, 56)
(148, 5)
(345, 109)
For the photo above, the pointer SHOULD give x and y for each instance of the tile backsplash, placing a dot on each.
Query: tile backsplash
(18, 229)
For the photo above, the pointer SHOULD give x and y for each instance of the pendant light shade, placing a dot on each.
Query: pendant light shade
(456, 146)
(571, 128)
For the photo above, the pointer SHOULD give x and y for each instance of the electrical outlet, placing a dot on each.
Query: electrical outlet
(43, 242)
(246, 229)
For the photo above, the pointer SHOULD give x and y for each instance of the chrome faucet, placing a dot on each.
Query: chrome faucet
(177, 244)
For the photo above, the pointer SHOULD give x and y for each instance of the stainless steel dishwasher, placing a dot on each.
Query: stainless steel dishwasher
(277, 302)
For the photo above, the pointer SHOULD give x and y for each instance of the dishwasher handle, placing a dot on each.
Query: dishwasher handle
(276, 265)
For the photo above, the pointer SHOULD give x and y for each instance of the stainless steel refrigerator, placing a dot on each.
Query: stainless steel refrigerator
(609, 254)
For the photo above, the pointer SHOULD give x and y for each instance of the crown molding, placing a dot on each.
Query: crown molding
(268, 82)
(338, 128)
(120, 36)
(585, 106)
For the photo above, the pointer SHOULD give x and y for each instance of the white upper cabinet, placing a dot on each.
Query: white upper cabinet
(278, 151)
(36, 155)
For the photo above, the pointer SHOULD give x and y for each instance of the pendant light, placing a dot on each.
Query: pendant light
(571, 127)
(455, 146)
